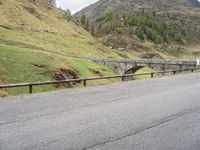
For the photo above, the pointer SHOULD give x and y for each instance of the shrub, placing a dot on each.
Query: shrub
(140, 33)
(105, 18)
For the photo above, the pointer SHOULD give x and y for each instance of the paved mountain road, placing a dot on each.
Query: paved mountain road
(157, 114)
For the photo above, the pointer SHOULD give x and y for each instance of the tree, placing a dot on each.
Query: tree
(52, 2)
(83, 19)
(87, 25)
(140, 33)
(68, 12)
(154, 14)
(143, 12)
(92, 29)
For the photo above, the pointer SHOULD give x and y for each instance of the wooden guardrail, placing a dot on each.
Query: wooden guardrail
(84, 80)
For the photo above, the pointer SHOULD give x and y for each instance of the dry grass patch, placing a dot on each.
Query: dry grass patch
(3, 94)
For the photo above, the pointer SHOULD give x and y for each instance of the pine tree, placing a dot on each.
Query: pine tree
(83, 19)
(92, 29)
(52, 2)
(68, 12)
(143, 12)
(87, 25)
(154, 14)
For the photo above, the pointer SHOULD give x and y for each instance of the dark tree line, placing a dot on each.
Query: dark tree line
(87, 24)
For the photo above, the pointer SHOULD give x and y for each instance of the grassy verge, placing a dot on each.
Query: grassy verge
(19, 65)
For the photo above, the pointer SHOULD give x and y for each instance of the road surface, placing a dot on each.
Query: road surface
(157, 114)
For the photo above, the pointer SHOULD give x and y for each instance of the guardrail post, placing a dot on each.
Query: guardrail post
(152, 75)
(164, 68)
(30, 88)
(85, 83)
(123, 78)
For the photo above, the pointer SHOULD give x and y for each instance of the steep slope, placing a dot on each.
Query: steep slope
(125, 23)
(39, 42)
(36, 24)
(99, 8)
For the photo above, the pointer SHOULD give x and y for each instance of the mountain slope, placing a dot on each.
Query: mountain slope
(125, 23)
(39, 42)
(97, 9)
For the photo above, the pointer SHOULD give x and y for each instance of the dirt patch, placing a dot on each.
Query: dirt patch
(64, 74)
(123, 55)
(95, 71)
(196, 53)
(6, 27)
(3, 94)
(39, 66)
(2, 80)
(30, 9)
(150, 56)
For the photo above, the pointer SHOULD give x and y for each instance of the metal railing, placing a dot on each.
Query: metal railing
(84, 80)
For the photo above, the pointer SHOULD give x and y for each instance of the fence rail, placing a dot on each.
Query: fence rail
(84, 80)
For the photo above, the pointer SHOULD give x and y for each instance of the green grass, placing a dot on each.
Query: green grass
(81, 65)
(143, 70)
(19, 65)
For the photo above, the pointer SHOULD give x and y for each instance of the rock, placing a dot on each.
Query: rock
(150, 56)
(121, 49)
(130, 47)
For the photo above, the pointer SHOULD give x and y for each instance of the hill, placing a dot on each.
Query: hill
(131, 24)
(39, 42)
(102, 6)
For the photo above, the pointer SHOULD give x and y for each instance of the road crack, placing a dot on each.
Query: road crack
(144, 128)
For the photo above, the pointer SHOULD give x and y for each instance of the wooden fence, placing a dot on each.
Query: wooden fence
(84, 80)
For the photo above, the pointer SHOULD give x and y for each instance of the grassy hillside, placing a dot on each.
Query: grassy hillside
(38, 43)
(28, 65)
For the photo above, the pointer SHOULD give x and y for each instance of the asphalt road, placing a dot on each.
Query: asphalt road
(157, 114)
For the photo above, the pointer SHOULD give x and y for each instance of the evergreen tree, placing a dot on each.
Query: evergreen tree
(68, 12)
(154, 13)
(140, 33)
(52, 2)
(83, 19)
(92, 29)
(143, 12)
(87, 25)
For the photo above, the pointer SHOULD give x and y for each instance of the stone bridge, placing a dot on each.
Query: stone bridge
(127, 66)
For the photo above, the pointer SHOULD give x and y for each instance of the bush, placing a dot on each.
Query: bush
(119, 30)
(113, 26)
(154, 36)
(140, 33)
(105, 18)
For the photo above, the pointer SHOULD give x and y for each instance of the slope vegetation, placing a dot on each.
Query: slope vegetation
(164, 25)
(39, 42)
